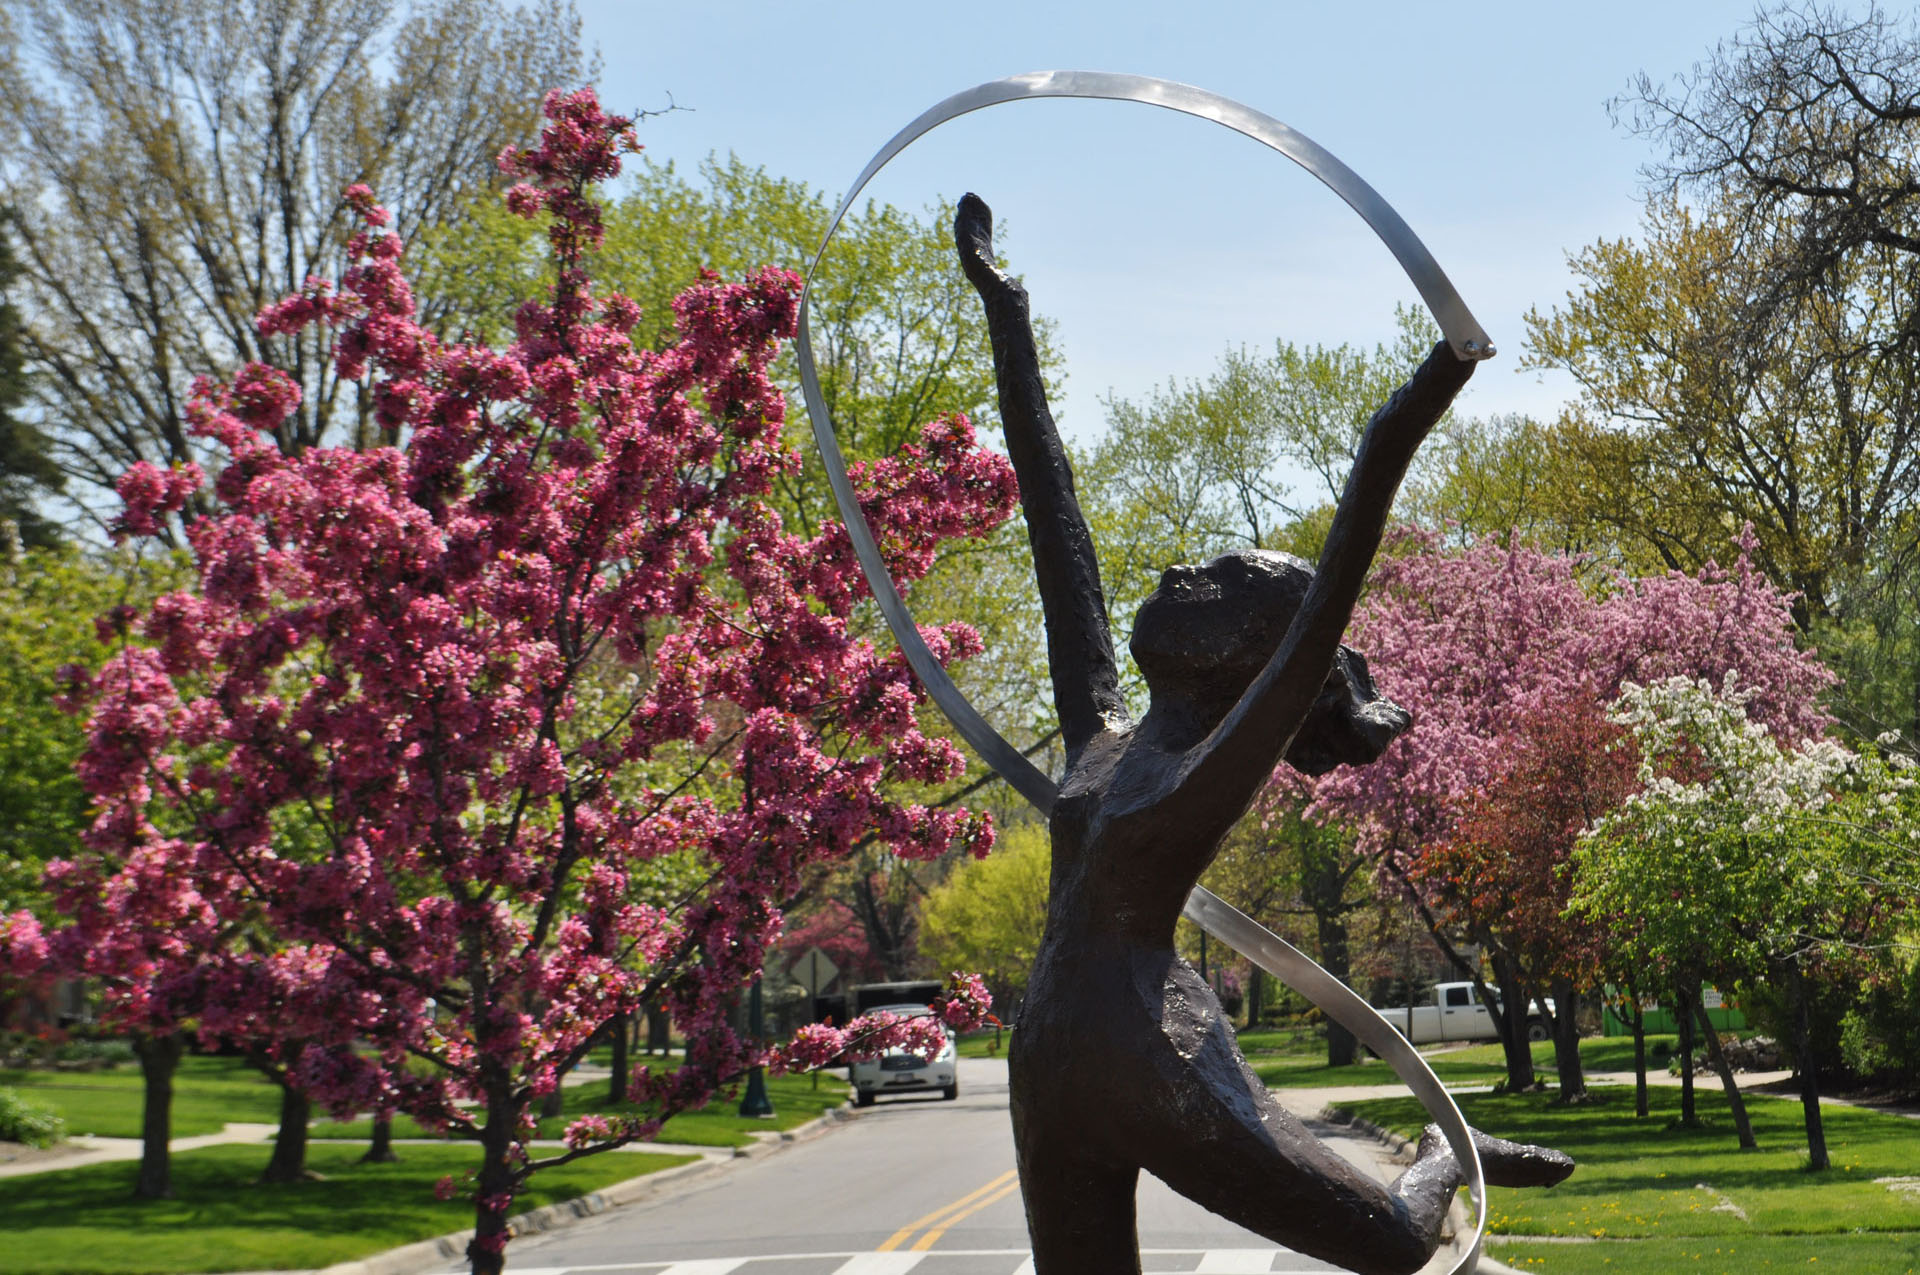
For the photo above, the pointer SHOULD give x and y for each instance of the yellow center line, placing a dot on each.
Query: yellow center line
(899, 1237)
(928, 1240)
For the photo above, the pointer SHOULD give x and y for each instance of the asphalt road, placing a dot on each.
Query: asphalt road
(915, 1184)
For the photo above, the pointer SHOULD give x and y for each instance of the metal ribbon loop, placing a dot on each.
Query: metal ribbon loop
(1463, 333)
(1304, 975)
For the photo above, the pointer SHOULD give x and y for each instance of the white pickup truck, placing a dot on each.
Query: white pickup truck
(1455, 1013)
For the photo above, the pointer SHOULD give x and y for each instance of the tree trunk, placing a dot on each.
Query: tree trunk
(1639, 1021)
(1256, 997)
(1683, 1018)
(1566, 1041)
(1803, 1061)
(1336, 956)
(289, 1160)
(159, 1056)
(659, 1030)
(1718, 1057)
(380, 1147)
(1511, 1022)
(494, 1186)
(622, 1034)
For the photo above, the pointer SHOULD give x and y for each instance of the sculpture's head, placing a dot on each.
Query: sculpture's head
(1204, 635)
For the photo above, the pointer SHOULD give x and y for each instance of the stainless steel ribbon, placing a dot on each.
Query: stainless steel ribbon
(1304, 975)
(1469, 341)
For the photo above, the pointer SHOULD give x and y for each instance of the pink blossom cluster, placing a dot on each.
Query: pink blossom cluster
(967, 1002)
(397, 770)
(23, 945)
(963, 1006)
(1477, 643)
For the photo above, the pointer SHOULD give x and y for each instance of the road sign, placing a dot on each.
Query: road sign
(813, 971)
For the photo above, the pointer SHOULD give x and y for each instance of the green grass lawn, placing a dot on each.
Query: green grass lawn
(796, 1100)
(83, 1221)
(1294, 1064)
(1597, 1053)
(1637, 1202)
(207, 1093)
(991, 1043)
(1310, 1071)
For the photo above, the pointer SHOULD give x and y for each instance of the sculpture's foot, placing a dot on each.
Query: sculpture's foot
(1516, 1164)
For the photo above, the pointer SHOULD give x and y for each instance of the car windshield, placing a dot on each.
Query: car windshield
(904, 1011)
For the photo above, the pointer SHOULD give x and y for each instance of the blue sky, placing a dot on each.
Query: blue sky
(1157, 241)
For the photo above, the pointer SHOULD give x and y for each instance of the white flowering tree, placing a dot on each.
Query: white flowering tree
(1742, 857)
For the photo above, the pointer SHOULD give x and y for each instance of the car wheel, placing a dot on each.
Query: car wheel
(1536, 1030)
(951, 1092)
(863, 1099)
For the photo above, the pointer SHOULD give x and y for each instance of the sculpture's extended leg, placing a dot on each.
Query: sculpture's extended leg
(1214, 1133)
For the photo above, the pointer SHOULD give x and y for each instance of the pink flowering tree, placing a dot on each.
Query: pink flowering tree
(1484, 645)
(391, 779)
(1500, 874)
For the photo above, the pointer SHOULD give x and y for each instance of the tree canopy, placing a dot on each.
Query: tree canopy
(380, 787)
(177, 166)
(988, 914)
(1492, 644)
(1753, 355)
(49, 601)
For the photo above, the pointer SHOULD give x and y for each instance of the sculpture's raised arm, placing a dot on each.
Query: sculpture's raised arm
(1086, 681)
(1236, 759)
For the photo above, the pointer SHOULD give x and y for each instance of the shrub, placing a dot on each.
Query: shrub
(1880, 1037)
(110, 1051)
(23, 1121)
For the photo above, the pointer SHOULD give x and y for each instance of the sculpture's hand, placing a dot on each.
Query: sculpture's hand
(1086, 680)
(973, 237)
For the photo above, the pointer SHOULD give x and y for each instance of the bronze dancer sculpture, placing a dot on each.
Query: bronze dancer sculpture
(1121, 1058)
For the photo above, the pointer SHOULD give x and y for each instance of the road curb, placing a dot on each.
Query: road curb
(767, 1143)
(425, 1255)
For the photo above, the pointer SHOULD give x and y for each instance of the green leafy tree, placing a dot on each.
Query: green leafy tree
(49, 600)
(1690, 426)
(1741, 858)
(988, 914)
(1502, 476)
(1303, 878)
(1253, 455)
(1880, 1035)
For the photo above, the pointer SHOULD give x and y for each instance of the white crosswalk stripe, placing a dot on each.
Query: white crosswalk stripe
(1219, 1261)
(879, 1264)
(1237, 1261)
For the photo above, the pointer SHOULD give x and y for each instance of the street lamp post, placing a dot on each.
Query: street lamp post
(755, 1101)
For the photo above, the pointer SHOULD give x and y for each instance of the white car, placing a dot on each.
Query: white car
(898, 1071)
(1455, 1013)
